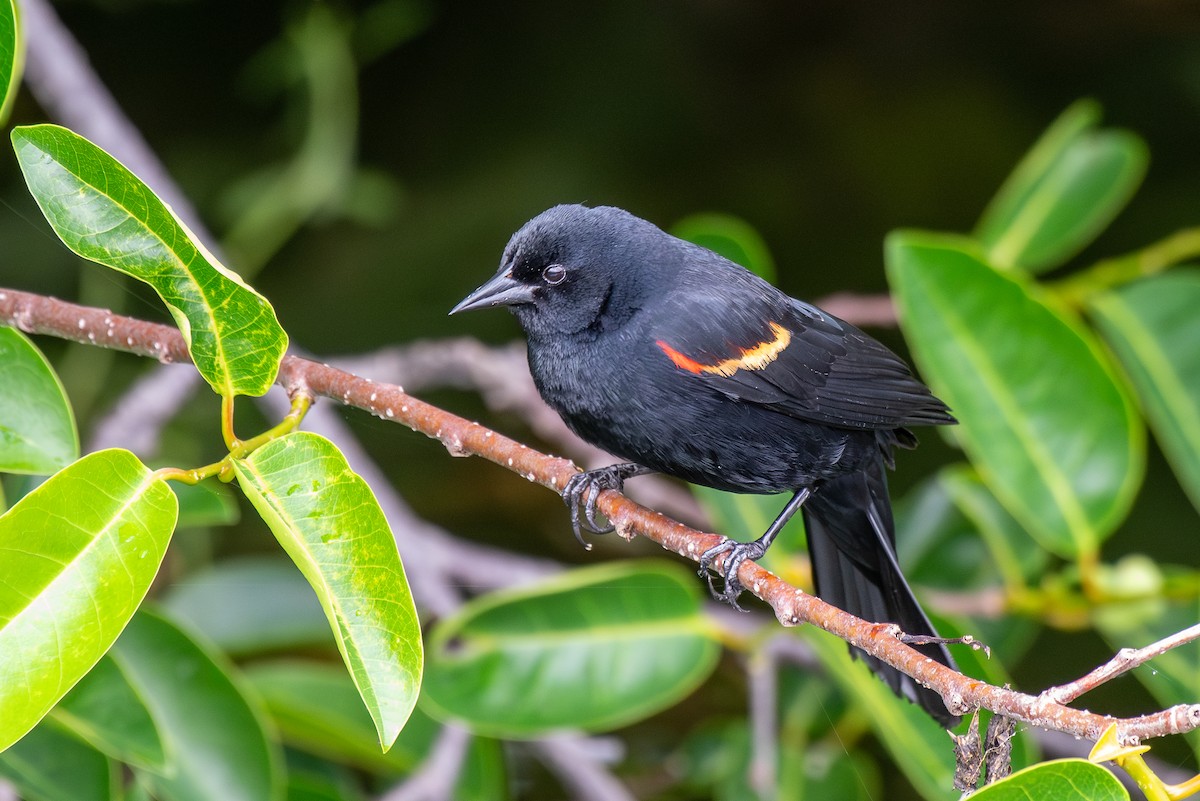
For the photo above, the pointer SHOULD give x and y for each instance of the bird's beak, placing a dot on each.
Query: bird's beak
(502, 290)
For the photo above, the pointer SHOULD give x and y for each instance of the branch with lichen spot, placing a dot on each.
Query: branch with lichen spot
(37, 314)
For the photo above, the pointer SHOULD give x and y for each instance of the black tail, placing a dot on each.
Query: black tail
(852, 543)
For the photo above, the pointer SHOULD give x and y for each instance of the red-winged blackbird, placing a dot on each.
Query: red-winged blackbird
(675, 358)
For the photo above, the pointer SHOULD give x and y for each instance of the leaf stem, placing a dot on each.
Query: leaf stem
(190, 476)
(1108, 273)
(231, 440)
(238, 449)
(301, 402)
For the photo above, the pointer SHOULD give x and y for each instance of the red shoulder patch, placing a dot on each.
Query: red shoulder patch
(752, 358)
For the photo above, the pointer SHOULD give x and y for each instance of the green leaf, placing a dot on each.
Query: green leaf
(105, 711)
(213, 732)
(317, 709)
(1068, 188)
(1153, 327)
(1061, 780)
(328, 521)
(251, 606)
(918, 744)
(37, 427)
(103, 212)
(51, 765)
(733, 238)
(592, 649)
(12, 56)
(77, 555)
(1046, 422)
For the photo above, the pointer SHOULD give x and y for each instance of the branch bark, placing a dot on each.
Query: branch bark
(41, 315)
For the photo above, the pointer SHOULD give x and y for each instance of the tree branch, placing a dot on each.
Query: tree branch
(41, 315)
(1125, 660)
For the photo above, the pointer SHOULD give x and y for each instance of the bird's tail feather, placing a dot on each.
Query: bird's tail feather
(851, 540)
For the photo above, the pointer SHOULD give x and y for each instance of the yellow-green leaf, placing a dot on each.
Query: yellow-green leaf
(77, 556)
(328, 521)
(37, 426)
(103, 212)
(1060, 780)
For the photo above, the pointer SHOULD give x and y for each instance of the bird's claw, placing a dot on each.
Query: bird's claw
(735, 553)
(583, 490)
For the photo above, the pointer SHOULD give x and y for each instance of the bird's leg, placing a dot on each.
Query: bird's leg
(585, 488)
(738, 552)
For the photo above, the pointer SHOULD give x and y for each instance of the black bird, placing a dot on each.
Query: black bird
(675, 358)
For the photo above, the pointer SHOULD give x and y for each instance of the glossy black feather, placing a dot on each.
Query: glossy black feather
(674, 358)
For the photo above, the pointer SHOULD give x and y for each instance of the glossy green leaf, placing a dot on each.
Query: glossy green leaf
(317, 709)
(1153, 327)
(105, 711)
(918, 744)
(213, 733)
(328, 521)
(1073, 182)
(51, 765)
(733, 238)
(106, 214)
(1061, 780)
(592, 649)
(1044, 418)
(251, 606)
(12, 56)
(37, 426)
(77, 556)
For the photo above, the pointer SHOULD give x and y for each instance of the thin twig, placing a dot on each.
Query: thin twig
(1125, 660)
(42, 315)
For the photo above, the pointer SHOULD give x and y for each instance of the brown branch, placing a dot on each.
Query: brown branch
(1125, 660)
(42, 315)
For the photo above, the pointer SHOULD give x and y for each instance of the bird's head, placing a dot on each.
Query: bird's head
(571, 268)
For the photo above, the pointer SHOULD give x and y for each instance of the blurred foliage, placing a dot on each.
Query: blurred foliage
(366, 163)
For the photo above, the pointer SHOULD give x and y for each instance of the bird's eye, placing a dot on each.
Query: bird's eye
(554, 274)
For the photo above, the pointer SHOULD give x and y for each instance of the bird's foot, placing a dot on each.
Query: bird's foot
(735, 553)
(583, 491)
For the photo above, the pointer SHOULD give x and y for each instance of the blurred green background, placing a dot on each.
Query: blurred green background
(439, 127)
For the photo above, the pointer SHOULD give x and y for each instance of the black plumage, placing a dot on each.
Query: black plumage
(680, 361)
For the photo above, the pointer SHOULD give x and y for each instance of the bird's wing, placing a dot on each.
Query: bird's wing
(765, 348)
